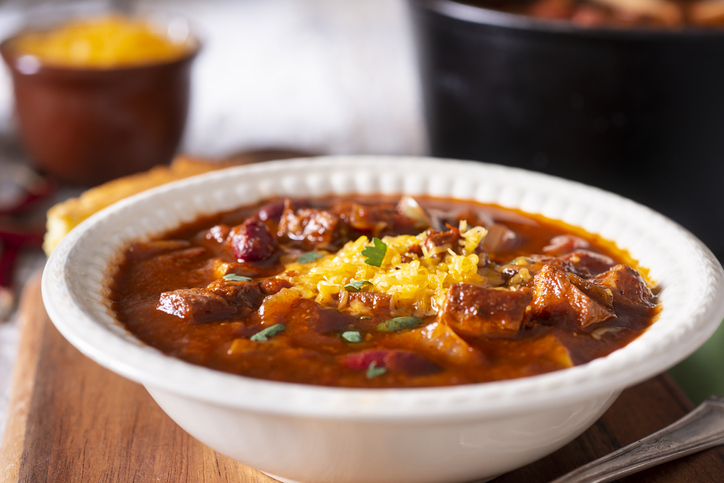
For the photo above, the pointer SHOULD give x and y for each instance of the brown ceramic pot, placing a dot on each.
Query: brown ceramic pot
(87, 126)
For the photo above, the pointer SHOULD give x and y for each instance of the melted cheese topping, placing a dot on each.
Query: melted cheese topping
(416, 284)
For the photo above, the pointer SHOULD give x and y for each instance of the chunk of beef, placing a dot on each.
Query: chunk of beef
(437, 243)
(562, 244)
(237, 293)
(595, 291)
(396, 361)
(628, 287)
(587, 263)
(473, 310)
(370, 303)
(251, 241)
(196, 305)
(554, 296)
(310, 228)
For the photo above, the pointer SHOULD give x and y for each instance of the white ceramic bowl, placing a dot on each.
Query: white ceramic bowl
(337, 435)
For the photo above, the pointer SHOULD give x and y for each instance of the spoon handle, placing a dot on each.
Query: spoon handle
(700, 429)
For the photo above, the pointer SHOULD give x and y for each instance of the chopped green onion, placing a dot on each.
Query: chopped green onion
(232, 277)
(374, 371)
(375, 254)
(352, 336)
(309, 257)
(263, 335)
(399, 323)
(357, 285)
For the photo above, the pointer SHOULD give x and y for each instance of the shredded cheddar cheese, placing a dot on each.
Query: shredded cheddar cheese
(101, 42)
(416, 284)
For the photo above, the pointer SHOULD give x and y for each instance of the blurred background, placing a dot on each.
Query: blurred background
(345, 77)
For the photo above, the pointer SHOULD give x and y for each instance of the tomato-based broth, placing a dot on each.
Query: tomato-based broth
(382, 292)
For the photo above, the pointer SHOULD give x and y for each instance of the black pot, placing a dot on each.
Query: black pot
(634, 111)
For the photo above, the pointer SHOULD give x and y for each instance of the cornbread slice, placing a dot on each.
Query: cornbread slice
(65, 216)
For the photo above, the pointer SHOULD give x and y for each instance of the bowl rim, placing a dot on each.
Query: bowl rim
(475, 14)
(82, 316)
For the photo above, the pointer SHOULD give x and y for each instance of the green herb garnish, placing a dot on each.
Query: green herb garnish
(309, 257)
(352, 336)
(399, 323)
(356, 286)
(263, 335)
(375, 254)
(374, 371)
(232, 277)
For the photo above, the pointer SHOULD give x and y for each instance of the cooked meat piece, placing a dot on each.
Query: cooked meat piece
(251, 241)
(627, 286)
(587, 263)
(396, 361)
(309, 228)
(596, 292)
(196, 305)
(472, 310)
(555, 296)
(271, 286)
(562, 244)
(437, 243)
(370, 303)
(238, 294)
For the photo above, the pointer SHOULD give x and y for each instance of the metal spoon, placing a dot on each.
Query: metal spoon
(700, 429)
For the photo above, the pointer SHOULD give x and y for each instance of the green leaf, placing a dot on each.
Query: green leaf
(399, 323)
(309, 257)
(375, 254)
(356, 286)
(236, 278)
(263, 335)
(374, 371)
(352, 336)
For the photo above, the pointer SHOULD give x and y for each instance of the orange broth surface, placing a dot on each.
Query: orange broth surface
(541, 295)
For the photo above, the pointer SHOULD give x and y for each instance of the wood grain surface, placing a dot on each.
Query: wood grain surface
(74, 421)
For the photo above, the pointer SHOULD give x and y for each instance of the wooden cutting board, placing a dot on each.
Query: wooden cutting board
(71, 420)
